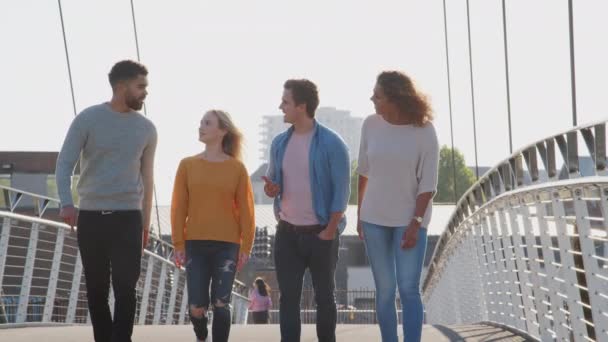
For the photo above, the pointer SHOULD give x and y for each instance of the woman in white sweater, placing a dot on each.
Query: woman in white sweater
(397, 170)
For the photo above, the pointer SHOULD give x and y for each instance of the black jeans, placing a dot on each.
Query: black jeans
(294, 252)
(110, 243)
(211, 262)
(260, 317)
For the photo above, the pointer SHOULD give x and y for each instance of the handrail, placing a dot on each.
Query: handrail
(509, 175)
(159, 274)
(532, 259)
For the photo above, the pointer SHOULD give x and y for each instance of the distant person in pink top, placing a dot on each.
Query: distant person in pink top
(260, 301)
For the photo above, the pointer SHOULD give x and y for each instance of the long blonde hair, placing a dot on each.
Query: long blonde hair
(232, 143)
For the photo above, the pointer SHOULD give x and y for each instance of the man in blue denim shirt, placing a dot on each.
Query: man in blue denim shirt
(309, 178)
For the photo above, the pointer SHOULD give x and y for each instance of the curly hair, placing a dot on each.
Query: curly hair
(400, 90)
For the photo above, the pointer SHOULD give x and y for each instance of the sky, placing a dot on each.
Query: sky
(236, 55)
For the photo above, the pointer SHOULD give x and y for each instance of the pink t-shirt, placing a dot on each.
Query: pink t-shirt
(259, 302)
(296, 201)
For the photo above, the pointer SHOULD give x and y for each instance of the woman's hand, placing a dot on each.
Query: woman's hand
(243, 258)
(180, 258)
(410, 236)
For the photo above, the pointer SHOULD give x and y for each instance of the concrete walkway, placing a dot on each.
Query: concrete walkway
(255, 333)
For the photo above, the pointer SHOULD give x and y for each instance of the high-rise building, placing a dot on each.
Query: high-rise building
(341, 121)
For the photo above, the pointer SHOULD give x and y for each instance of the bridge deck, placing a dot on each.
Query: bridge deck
(257, 333)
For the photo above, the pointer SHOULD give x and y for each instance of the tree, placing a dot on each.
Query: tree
(464, 176)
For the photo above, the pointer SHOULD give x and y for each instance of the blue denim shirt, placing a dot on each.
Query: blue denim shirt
(329, 172)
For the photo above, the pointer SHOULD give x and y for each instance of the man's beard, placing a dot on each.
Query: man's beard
(134, 103)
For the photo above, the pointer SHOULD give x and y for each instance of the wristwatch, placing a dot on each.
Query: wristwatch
(418, 219)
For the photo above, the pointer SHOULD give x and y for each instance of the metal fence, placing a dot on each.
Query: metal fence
(41, 277)
(527, 247)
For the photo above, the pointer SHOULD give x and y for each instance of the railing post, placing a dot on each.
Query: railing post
(540, 309)
(4, 237)
(551, 167)
(14, 201)
(590, 142)
(563, 148)
(28, 272)
(453, 305)
(496, 287)
(542, 152)
(484, 273)
(525, 284)
(591, 267)
(54, 276)
(75, 292)
(512, 271)
(504, 273)
(174, 286)
(575, 310)
(600, 149)
(506, 175)
(472, 288)
(143, 307)
(573, 162)
(240, 309)
(184, 304)
(553, 274)
(532, 162)
(463, 303)
(495, 180)
(160, 293)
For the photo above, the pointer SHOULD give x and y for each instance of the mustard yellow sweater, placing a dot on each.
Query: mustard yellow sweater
(212, 201)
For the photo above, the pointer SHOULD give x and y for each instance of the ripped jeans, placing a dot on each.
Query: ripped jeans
(211, 262)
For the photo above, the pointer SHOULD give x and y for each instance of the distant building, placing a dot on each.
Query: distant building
(32, 172)
(28, 171)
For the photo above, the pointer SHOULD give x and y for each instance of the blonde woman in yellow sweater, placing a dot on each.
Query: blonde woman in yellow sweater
(212, 222)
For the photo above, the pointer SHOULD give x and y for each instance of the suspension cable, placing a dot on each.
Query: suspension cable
(447, 63)
(572, 64)
(145, 113)
(506, 49)
(67, 57)
(472, 91)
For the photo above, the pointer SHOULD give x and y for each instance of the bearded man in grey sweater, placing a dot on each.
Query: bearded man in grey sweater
(116, 146)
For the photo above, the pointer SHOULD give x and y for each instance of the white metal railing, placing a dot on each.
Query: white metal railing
(527, 248)
(41, 278)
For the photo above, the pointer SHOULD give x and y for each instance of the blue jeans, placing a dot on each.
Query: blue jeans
(211, 262)
(393, 266)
